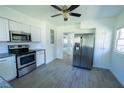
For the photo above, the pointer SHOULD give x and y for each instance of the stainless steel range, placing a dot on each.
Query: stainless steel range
(25, 58)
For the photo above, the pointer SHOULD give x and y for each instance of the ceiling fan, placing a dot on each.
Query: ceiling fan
(66, 11)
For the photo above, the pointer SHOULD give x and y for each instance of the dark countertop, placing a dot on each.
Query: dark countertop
(3, 55)
(38, 49)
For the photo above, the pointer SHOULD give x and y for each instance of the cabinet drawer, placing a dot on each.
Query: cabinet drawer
(39, 52)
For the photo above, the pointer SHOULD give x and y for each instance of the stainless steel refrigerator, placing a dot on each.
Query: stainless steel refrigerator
(83, 50)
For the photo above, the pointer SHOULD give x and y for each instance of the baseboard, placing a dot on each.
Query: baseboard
(47, 62)
(102, 67)
(114, 74)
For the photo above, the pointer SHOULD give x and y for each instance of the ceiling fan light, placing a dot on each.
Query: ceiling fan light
(65, 19)
(66, 12)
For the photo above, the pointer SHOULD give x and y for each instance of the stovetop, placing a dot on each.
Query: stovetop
(23, 53)
(20, 49)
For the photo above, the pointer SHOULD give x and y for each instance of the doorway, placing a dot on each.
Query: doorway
(68, 42)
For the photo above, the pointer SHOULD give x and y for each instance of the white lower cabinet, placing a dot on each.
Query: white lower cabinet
(40, 58)
(8, 68)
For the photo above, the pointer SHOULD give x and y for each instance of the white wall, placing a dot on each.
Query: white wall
(117, 61)
(50, 48)
(104, 30)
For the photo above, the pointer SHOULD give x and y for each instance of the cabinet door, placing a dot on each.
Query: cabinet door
(15, 26)
(40, 58)
(35, 33)
(25, 28)
(12, 65)
(8, 68)
(4, 30)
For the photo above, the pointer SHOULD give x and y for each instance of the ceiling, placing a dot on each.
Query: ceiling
(44, 12)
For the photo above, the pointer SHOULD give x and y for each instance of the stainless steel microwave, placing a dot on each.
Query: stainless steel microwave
(20, 36)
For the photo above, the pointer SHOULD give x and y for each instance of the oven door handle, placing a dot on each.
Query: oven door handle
(27, 55)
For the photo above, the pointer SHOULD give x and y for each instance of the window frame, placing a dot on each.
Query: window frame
(118, 32)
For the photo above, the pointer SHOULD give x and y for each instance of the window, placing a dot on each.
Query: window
(51, 36)
(120, 40)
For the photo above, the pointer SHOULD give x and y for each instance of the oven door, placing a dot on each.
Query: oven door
(25, 60)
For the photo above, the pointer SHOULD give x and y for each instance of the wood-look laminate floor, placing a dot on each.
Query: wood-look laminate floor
(61, 74)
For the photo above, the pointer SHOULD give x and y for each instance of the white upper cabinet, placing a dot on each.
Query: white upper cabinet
(35, 33)
(4, 30)
(25, 28)
(15, 26)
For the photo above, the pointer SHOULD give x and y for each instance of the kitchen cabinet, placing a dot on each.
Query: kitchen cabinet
(40, 57)
(4, 30)
(25, 28)
(35, 33)
(8, 68)
(15, 26)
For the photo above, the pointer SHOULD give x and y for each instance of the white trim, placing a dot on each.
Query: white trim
(116, 51)
(116, 41)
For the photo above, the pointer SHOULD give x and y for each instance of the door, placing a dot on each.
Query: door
(35, 33)
(76, 50)
(87, 50)
(15, 26)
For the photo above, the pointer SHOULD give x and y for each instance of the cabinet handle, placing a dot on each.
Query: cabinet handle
(2, 60)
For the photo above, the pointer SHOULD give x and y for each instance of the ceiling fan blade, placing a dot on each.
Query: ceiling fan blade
(73, 7)
(56, 15)
(56, 7)
(75, 14)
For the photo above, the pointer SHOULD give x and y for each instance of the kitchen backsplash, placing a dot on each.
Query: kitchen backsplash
(36, 45)
(33, 45)
(3, 47)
